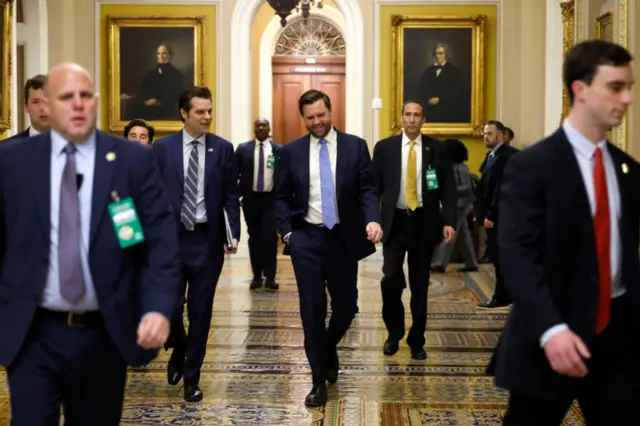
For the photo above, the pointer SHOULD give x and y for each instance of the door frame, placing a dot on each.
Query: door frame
(321, 65)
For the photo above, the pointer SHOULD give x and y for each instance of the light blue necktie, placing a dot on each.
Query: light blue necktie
(329, 217)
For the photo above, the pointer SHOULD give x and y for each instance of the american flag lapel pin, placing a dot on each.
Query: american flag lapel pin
(625, 168)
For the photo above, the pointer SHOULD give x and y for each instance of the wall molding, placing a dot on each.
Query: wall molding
(267, 47)
(554, 56)
(241, 78)
(376, 46)
(218, 67)
(621, 21)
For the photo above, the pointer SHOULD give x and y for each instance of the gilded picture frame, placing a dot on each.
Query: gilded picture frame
(604, 26)
(127, 97)
(6, 21)
(458, 109)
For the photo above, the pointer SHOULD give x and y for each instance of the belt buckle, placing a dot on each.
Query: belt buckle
(70, 322)
(190, 228)
(409, 211)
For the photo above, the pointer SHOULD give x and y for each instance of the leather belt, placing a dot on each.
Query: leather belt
(195, 227)
(89, 319)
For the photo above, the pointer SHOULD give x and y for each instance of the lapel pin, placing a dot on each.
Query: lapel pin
(210, 150)
(625, 168)
(111, 156)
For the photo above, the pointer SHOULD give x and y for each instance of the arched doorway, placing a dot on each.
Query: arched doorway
(306, 56)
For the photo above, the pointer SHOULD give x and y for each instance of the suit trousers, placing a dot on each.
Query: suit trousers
(201, 267)
(321, 261)
(610, 393)
(260, 216)
(78, 368)
(500, 293)
(407, 236)
(462, 237)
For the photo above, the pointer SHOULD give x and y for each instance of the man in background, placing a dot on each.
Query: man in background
(508, 135)
(199, 173)
(36, 107)
(257, 162)
(140, 131)
(489, 203)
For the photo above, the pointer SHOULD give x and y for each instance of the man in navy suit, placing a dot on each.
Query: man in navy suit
(77, 301)
(328, 213)
(256, 183)
(199, 171)
(36, 107)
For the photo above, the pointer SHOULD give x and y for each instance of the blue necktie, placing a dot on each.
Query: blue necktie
(329, 217)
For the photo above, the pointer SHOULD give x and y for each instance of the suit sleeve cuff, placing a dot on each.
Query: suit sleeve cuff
(552, 332)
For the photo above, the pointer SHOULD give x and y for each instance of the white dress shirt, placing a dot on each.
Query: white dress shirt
(268, 173)
(417, 147)
(314, 213)
(85, 162)
(584, 151)
(33, 132)
(201, 210)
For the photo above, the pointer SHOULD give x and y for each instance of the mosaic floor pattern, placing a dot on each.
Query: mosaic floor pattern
(256, 371)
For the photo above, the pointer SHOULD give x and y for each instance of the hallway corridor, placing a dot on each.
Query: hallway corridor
(256, 371)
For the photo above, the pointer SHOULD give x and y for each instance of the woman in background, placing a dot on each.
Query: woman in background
(459, 154)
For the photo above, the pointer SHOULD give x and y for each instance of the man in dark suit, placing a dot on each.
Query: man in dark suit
(78, 300)
(489, 203)
(328, 214)
(569, 247)
(442, 90)
(414, 178)
(256, 183)
(199, 172)
(36, 107)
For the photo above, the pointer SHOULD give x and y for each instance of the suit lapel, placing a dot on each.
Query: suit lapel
(618, 164)
(396, 164)
(341, 161)
(572, 176)
(102, 176)
(427, 163)
(305, 152)
(209, 154)
(176, 148)
(250, 153)
(43, 190)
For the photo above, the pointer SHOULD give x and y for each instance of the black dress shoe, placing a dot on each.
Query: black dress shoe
(468, 269)
(493, 304)
(390, 347)
(192, 393)
(271, 285)
(317, 397)
(255, 283)
(333, 367)
(175, 366)
(418, 353)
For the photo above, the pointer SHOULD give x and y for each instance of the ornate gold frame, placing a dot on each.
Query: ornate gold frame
(114, 23)
(478, 25)
(568, 41)
(6, 11)
(601, 24)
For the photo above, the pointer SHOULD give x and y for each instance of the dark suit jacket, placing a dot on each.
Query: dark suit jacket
(129, 282)
(22, 135)
(220, 181)
(454, 104)
(549, 260)
(489, 191)
(244, 162)
(387, 167)
(357, 196)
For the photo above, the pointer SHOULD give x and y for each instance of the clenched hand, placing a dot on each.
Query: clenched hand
(153, 331)
(566, 353)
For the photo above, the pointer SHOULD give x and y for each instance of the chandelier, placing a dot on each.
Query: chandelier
(283, 8)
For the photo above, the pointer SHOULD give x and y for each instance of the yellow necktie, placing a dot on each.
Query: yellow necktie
(412, 186)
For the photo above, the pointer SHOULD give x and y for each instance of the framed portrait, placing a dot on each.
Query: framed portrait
(6, 19)
(604, 26)
(440, 62)
(152, 60)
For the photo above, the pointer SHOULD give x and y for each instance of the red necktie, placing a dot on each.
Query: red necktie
(602, 227)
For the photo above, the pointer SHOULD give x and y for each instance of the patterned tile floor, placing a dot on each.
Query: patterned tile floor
(256, 371)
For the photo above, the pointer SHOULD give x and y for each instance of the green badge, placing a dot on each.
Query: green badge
(271, 161)
(125, 221)
(432, 180)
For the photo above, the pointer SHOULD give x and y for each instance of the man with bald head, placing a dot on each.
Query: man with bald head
(256, 180)
(88, 259)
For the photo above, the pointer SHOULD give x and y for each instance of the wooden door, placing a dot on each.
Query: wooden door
(292, 76)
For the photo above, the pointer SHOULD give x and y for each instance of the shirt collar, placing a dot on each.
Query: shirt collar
(33, 132)
(496, 148)
(331, 137)
(406, 140)
(581, 144)
(84, 148)
(187, 138)
(267, 142)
